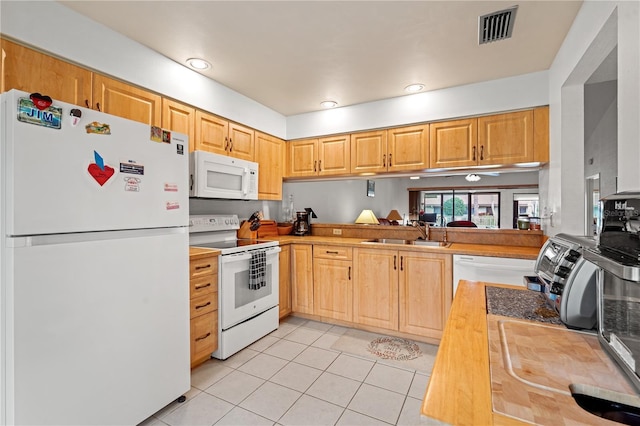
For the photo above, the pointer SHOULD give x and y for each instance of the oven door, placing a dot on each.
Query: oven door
(237, 301)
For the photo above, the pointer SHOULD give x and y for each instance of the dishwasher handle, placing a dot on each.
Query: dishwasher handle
(492, 266)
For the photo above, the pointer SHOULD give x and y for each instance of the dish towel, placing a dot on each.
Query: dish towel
(257, 268)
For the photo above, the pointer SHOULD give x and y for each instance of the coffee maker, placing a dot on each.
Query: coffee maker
(302, 224)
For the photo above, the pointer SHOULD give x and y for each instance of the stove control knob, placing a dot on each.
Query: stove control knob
(556, 288)
(572, 256)
(563, 271)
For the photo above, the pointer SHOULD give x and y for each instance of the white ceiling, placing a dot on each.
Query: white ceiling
(291, 55)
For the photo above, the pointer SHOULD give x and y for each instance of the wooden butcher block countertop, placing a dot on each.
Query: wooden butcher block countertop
(199, 252)
(493, 369)
(517, 252)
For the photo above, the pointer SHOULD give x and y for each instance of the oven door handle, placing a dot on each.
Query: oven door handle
(237, 257)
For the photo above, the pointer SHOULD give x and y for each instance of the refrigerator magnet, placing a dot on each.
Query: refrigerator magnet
(98, 128)
(41, 102)
(99, 171)
(132, 184)
(172, 205)
(132, 168)
(28, 112)
(170, 187)
(156, 134)
(166, 136)
(75, 115)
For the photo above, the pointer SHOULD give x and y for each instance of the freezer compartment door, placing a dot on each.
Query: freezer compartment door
(84, 178)
(99, 330)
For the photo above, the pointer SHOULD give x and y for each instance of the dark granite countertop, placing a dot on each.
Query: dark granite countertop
(523, 304)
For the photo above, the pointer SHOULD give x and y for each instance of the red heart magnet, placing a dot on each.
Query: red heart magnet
(101, 176)
(41, 102)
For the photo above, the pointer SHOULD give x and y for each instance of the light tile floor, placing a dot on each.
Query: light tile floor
(293, 377)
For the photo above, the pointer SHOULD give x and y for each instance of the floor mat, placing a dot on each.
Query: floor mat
(395, 351)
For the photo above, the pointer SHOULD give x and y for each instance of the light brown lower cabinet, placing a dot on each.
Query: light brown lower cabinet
(332, 282)
(425, 288)
(203, 286)
(285, 281)
(375, 287)
(302, 278)
(403, 291)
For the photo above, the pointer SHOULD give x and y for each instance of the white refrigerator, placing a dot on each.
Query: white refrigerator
(94, 297)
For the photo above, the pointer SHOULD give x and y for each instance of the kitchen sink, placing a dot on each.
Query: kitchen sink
(410, 242)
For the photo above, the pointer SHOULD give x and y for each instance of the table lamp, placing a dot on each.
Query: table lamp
(394, 216)
(367, 217)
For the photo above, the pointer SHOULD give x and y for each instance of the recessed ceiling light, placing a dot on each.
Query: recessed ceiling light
(414, 177)
(472, 177)
(412, 88)
(328, 104)
(198, 64)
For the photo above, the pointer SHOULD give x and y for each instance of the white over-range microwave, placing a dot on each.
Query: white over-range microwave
(220, 176)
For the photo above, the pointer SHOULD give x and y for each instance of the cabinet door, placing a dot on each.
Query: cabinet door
(212, 133)
(31, 71)
(117, 98)
(285, 281)
(180, 118)
(375, 288)
(334, 155)
(302, 278)
(408, 148)
(333, 288)
(204, 337)
(425, 292)
(302, 158)
(270, 158)
(369, 152)
(541, 134)
(241, 142)
(453, 143)
(506, 138)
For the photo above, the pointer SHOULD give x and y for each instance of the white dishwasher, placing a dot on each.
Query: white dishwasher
(500, 270)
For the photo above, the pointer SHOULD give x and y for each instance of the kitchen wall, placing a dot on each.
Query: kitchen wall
(342, 201)
(601, 134)
(599, 28)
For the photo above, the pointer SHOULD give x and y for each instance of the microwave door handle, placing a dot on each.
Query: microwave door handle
(245, 181)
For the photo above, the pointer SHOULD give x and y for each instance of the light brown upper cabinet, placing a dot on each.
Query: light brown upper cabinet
(403, 148)
(408, 148)
(453, 143)
(319, 157)
(369, 152)
(541, 134)
(217, 135)
(270, 158)
(121, 99)
(505, 138)
(31, 71)
(179, 117)
(490, 140)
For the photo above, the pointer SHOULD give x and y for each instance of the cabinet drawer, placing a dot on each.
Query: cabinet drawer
(203, 285)
(332, 252)
(203, 266)
(204, 304)
(204, 336)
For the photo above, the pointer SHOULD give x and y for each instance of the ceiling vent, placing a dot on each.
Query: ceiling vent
(496, 26)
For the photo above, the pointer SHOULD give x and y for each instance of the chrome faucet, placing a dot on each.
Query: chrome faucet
(444, 235)
(423, 229)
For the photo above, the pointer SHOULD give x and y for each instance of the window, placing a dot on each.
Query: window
(481, 208)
